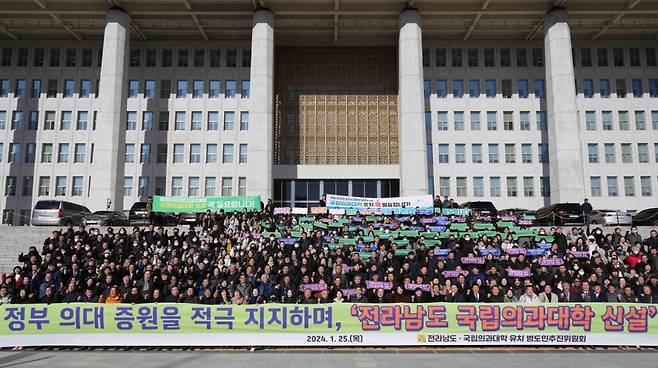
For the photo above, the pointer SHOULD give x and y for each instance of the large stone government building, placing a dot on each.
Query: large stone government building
(521, 102)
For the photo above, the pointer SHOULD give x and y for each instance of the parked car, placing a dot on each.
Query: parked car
(482, 208)
(139, 215)
(610, 217)
(191, 219)
(648, 217)
(106, 218)
(560, 214)
(58, 213)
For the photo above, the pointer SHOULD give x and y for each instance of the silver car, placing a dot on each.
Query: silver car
(611, 217)
(58, 213)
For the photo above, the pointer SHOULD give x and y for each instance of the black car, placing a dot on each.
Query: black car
(191, 219)
(106, 218)
(139, 215)
(560, 214)
(648, 217)
(481, 208)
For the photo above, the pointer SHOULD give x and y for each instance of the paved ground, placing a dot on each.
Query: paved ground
(577, 358)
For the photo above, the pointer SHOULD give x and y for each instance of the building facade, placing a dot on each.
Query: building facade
(412, 105)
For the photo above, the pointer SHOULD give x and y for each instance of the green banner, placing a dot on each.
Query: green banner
(202, 204)
(374, 324)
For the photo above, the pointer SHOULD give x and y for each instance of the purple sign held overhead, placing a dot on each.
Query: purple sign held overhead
(515, 251)
(581, 254)
(437, 229)
(441, 252)
(379, 285)
(535, 252)
(288, 241)
(551, 262)
(423, 287)
(508, 218)
(430, 220)
(347, 293)
(454, 273)
(313, 287)
(518, 273)
(472, 260)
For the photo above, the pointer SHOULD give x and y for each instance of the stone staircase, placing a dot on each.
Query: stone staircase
(17, 239)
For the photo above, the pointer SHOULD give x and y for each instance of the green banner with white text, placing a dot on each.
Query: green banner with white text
(202, 204)
(350, 324)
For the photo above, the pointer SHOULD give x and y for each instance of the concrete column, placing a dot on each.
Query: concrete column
(566, 167)
(413, 158)
(107, 171)
(259, 179)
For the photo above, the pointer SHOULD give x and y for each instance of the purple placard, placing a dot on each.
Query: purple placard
(485, 251)
(379, 284)
(437, 229)
(543, 245)
(313, 287)
(518, 273)
(472, 260)
(441, 252)
(444, 222)
(509, 218)
(454, 273)
(404, 219)
(346, 268)
(581, 254)
(416, 227)
(551, 262)
(412, 287)
(327, 220)
(347, 293)
(524, 223)
(535, 252)
(281, 210)
(515, 251)
(459, 219)
(362, 247)
(431, 220)
(288, 241)
(357, 218)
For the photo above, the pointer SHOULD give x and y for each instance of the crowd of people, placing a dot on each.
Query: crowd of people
(260, 257)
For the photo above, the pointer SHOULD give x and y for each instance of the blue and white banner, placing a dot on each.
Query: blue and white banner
(399, 205)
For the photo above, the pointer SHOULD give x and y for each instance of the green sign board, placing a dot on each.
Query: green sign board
(202, 204)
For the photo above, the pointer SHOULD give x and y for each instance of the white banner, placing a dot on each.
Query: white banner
(330, 339)
(380, 205)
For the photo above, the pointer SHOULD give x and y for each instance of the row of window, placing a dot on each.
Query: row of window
(507, 88)
(509, 122)
(610, 153)
(194, 153)
(74, 186)
(612, 186)
(493, 155)
(47, 154)
(182, 88)
(178, 189)
(82, 89)
(528, 183)
(505, 57)
(621, 88)
(72, 57)
(474, 89)
(606, 118)
(482, 57)
(198, 120)
(477, 183)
